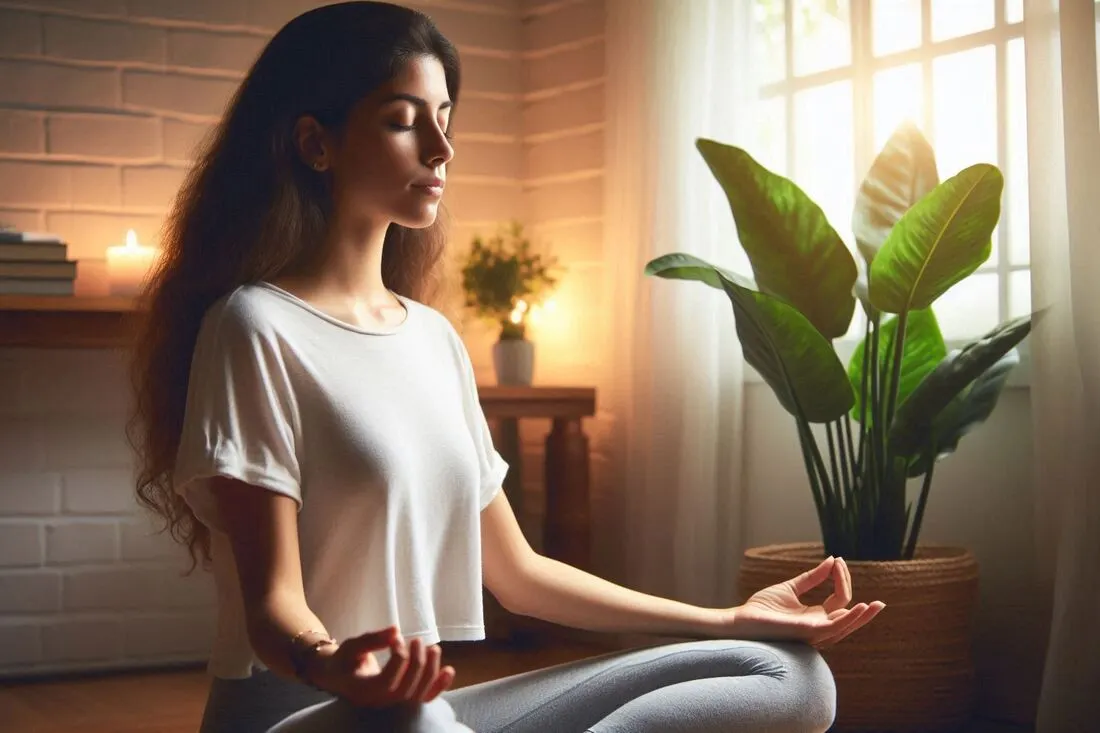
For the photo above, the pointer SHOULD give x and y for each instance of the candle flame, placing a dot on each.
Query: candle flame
(131, 239)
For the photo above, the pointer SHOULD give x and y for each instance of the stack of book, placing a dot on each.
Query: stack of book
(34, 263)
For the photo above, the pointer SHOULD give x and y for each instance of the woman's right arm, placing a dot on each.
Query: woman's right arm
(262, 527)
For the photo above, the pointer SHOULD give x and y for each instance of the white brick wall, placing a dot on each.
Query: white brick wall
(84, 581)
(102, 103)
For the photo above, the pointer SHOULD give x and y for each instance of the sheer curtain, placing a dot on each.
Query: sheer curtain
(1064, 170)
(675, 72)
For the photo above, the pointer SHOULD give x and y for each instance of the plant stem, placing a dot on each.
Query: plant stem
(876, 410)
(863, 386)
(830, 496)
(851, 509)
(851, 452)
(845, 457)
(911, 547)
(832, 460)
(899, 348)
(870, 483)
(811, 472)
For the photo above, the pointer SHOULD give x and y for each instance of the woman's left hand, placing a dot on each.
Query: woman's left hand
(776, 613)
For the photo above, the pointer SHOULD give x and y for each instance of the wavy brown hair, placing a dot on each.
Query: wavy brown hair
(250, 209)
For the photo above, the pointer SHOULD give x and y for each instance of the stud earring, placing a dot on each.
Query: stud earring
(318, 165)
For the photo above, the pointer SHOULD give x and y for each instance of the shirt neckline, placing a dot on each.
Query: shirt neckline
(305, 305)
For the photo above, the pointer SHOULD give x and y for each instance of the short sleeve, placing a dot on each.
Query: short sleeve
(240, 416)
(493, 466)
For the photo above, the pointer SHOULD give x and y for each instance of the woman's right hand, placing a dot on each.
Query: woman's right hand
(411, 675)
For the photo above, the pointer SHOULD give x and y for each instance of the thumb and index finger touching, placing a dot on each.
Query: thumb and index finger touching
(832, 567)
(836, 605)
(375, 640)
(814, 577)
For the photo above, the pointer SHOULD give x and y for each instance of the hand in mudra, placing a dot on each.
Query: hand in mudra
(411, 675)
(776, 613)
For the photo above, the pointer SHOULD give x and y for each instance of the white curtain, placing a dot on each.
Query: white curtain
(1064, 170)
(674, 387)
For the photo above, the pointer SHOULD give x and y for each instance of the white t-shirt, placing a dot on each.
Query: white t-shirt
(380, 439)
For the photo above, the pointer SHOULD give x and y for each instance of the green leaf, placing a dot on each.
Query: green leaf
(683, 266)
(791, 355)
(778, 341)
(938, 242)
(902, 174)
(795, 253)
(969, 409)
(924, 349)
(915, 418)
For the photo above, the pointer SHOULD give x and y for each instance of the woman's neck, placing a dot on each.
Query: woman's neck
(343, 277)
(346, 264)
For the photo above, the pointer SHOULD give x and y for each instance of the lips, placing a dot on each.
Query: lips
(432, 187)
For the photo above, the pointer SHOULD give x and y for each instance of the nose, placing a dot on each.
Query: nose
(438, 150)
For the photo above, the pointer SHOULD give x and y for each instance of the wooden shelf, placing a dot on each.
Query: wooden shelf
(65, 303)
(87, 322)
(65, 321)
(537, 401)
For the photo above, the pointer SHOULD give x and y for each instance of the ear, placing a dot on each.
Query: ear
(312, 143)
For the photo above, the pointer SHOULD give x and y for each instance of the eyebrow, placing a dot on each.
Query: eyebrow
(418, 101)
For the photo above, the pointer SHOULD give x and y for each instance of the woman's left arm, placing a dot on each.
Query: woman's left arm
(530, 584)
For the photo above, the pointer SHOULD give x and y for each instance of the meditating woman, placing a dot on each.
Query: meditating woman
(310, 425)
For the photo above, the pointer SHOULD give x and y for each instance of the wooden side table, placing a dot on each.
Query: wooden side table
(567, 474)
(566, 519)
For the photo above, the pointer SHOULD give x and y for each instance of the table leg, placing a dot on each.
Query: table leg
(566, 527)
(511, 450)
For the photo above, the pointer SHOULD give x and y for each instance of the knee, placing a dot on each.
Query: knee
(436, 716)
(814, 685)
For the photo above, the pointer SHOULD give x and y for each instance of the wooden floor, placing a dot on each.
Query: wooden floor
(172, 702)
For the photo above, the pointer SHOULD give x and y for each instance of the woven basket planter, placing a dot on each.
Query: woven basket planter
(911, 669)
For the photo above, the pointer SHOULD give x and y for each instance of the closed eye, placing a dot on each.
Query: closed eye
(408, 128)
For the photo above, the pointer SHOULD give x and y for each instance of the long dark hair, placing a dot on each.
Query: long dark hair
(250, 208)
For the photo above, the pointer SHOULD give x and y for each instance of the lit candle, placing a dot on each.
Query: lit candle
(128, 265)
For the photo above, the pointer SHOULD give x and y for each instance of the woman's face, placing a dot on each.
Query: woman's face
(390, 163)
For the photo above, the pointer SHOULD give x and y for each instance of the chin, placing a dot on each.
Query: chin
(421, 217)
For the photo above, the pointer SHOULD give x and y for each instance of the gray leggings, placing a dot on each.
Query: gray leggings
(701, 687)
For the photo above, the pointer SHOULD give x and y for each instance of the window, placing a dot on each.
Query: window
(838, 77)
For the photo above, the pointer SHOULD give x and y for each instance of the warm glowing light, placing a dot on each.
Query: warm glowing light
(128, 265)
(517, 313)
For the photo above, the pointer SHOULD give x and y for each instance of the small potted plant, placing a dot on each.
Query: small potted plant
(503, 280)
(903, 403)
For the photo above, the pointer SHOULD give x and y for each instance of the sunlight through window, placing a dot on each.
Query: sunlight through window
(857, 70)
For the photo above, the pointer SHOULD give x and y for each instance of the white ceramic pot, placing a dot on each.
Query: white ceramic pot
(514, 361)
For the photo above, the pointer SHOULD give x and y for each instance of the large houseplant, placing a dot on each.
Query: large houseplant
(902, 403)
(502, 280)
